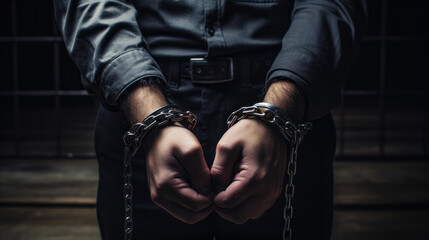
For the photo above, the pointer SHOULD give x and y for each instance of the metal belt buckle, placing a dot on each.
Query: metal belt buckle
(211, 70)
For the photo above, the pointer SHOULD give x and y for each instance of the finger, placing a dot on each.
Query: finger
(174, 187)
(223, 164)
(236, 193)
(191, 157)
(250, 209)
(184, 214)
(187, 197)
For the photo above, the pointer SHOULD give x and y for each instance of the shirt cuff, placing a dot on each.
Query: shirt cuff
(318, 104)
(122, 72)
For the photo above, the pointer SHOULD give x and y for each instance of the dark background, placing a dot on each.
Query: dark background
(48, 172)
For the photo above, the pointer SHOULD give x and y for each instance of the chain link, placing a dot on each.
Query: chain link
(290, 189)
(128, 196)
(132, 140)
(292, 133)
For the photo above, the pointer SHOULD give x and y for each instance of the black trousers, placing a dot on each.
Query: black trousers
(212, 103)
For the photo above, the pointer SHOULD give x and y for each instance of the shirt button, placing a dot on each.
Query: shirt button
(210, 30)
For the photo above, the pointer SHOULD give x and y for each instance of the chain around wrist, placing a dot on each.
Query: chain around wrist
(292, 132)
(159, 118)
(132, 140)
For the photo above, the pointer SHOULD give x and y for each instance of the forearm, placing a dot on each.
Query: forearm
(140, 101)
(287, 96)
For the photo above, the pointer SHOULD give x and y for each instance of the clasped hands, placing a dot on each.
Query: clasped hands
(244, 181)
(247, 174)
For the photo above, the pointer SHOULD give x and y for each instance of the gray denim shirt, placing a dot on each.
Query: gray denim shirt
(114, 42)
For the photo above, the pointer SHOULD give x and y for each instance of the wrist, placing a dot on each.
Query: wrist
(288, 97)
(166, 115)
(271, 114)
(142, 100)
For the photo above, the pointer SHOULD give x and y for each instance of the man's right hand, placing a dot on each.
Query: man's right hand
(178, 176)
(179, 179)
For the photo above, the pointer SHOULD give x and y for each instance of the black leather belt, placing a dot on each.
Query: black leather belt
(252, 68)
(214, 70)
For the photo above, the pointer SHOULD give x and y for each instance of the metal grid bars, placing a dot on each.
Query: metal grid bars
(49, 115)
(39, 93)
(385, 113)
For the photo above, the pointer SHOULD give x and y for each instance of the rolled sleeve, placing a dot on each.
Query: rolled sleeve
(124, 70)
(104, 40)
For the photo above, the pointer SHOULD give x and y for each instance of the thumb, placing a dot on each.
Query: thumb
(223, 165)
(192, 160)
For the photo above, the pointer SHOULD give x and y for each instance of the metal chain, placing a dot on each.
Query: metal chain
(290, 187)
(292, 133)
(128, 197)
(133, 138)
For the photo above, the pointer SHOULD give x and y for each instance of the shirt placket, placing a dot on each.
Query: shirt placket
(213, 31)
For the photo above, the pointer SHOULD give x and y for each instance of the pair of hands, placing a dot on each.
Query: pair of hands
(247, 174)
(245, 180)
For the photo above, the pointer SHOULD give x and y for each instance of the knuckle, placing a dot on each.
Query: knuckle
(222, 147)
(193, 150)
(260, 176)
(217, 170)
(227, 202)
(161, 186)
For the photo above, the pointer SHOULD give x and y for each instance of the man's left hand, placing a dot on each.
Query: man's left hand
(251, 157)
(248, 170)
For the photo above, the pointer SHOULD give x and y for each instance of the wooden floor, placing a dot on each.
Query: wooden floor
(374, 199)
(46, 199)
(56, 223)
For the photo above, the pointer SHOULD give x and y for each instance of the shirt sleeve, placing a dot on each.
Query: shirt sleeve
(317, 49)
(105, 42)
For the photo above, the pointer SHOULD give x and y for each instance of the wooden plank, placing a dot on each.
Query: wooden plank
(75, 181)
(367, 118)
(370, 147)
(362, 134)
(381, 225)
(48, 181)
(80, 223)
(377, 183)
(43, 223)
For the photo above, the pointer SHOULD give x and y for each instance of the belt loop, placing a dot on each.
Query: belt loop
(244, 70)
(174, 74)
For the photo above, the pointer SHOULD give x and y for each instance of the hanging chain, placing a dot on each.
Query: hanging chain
(290, 187)
(166, 115)
(128, 197)
(133, 138)
(292, 133)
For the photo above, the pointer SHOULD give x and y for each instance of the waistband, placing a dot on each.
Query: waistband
(246, 69)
